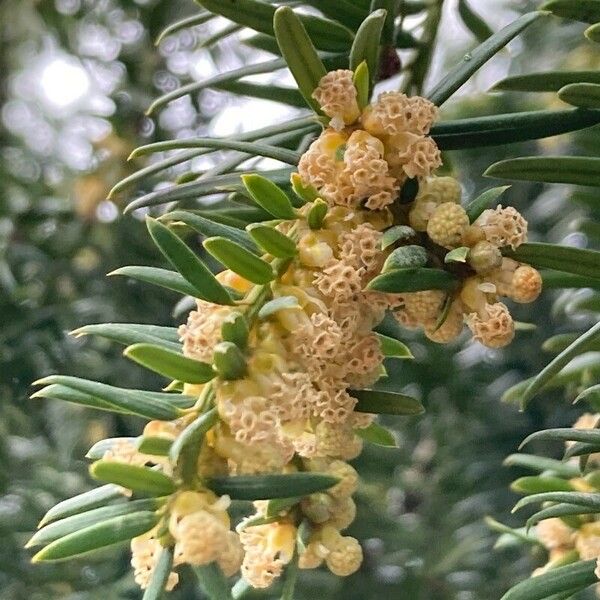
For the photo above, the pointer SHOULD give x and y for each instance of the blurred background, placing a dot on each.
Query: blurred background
(75, 79)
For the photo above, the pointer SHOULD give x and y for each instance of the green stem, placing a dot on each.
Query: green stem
(260, 294)
(256, 298)
(291, 576)
(213, 582)
(160, 576)
(240, 589)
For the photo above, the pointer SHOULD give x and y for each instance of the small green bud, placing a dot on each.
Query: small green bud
(305, 192)
(234, 329)
(317, 213)
(228, 361)
(484, 257)
(317, 507)
(593, 479)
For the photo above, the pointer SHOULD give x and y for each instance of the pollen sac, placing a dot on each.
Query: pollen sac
(336, 95)
(368, 166)
(447, 225)
(503, 226)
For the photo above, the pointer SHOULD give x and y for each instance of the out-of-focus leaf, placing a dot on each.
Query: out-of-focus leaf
(413, 280)
(557, 343)
(558, 363)
(253, 148)
(102, 446)
(587, 11)
(173, 365)
(584, 365)
(367, 43)
(386, 403)
(299, 53)
(239, 260)
(83, 502)
(100, 535)
(496, 130)
(275, 93)
(58, 529)
(279, 506)
(344, 11)
(290, 127)
(472, 61)
(272, 241)
(579, 261)
(582, 449)
(570, 578)
(475, 24)
(592, 33)
(393, 348)
(393, 8)
(588, 499)
(66, 394)
(577, 170)
(547, 81)
(519, 533)
(233, 75)
(153, 445)
(213, 582)
(376, 434)
(139, 479)
(209, 228)
(585, 95)
(559, 510)
(234, 328)
(185, 449)
(262, 41)
(161, 277)
(568, 434)
(326, 34)
(160, 575)
(195, 189)
(188, 264)
(217, 36)
(265, 487)
(557, 279)
(282, 303)
(540, 484)
(484, 201)
(135, 402)
(541, 463)
(191, 21)
(330, 62)
(591, 393)
(126, 333)
(290, 576)
(228, 361)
